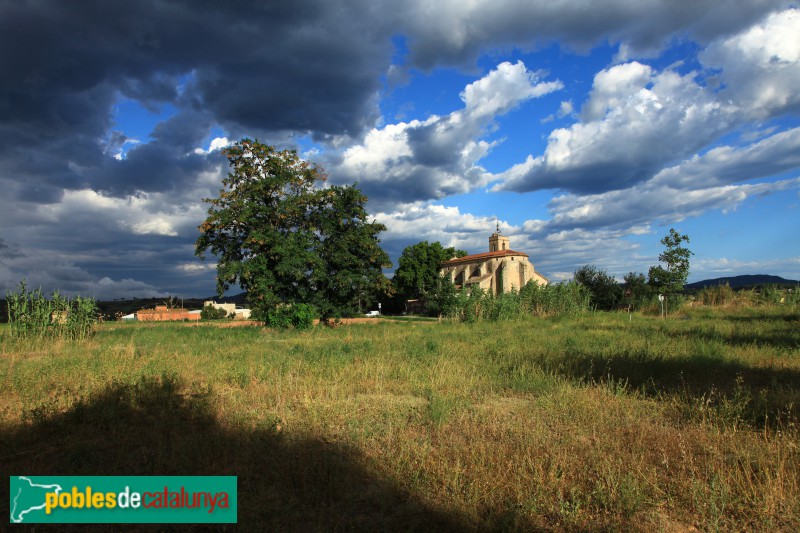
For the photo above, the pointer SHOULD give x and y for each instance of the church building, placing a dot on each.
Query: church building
(499, 270)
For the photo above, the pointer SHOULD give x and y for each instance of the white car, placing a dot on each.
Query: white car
(373, 313)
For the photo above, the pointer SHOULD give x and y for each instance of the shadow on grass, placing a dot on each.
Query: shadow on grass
(764, 393)
(153, 428)
(706, 367)
(655, 374)
(756, 397)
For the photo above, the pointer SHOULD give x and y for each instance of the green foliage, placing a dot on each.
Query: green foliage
(351, 258)
(770, 294)
(637, 293)
(560, 299)
(443, 298)
(283, 238)
(670, 280)
(212, 313)
(792, 297)
(298, 316)
(604, 291)
(417, 274)
(32, 315)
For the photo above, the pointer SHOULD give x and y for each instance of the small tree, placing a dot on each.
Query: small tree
(670, 280)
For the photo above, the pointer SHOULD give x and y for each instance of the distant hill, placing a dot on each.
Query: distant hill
(742, 282)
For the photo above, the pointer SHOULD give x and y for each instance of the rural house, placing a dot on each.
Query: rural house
(499, 270)
(164, 313)
(239, 313)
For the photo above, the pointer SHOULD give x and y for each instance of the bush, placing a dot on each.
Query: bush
(298, 316)
(212, 313)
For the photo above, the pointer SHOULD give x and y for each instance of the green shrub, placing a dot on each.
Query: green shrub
(298, 316)
(212, 313)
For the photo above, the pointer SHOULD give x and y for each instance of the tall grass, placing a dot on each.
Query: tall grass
(560, 299)
(33, 316)
(765, 296)
(583, 423)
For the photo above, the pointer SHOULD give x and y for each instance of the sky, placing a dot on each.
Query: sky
(585, 129)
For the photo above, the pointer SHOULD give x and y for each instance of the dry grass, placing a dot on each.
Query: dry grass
(592, 423)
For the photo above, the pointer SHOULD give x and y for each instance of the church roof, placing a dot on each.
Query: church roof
(482, 257)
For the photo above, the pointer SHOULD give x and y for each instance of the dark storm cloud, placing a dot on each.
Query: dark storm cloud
(309, 67)
(167, 163)
(9, 251)
(272, 69)
(455, 32)
(300, 66)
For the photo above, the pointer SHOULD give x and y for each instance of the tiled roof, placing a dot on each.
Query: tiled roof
(482, 257)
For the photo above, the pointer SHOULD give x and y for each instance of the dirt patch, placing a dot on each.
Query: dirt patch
(225, 323)
(346, 321)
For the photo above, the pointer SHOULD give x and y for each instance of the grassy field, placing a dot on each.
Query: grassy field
(589, 423)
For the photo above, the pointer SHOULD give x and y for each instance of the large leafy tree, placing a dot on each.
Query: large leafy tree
(670, 280)
(353, 260)
(417, 271)
(284, 238)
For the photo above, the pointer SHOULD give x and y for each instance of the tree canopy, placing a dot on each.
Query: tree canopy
(417, 271)
(605, 293)
(284, 238)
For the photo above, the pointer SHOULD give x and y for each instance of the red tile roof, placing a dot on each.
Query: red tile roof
(482, 257)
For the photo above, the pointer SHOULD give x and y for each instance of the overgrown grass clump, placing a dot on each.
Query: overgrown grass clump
(554, 300)
(33, 316)
(590, 422)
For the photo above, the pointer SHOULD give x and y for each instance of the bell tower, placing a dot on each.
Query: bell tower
(498, 242)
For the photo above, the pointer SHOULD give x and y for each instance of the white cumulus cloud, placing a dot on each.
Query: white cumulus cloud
(439, 156)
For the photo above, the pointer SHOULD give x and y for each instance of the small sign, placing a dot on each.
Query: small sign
(660, 297)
